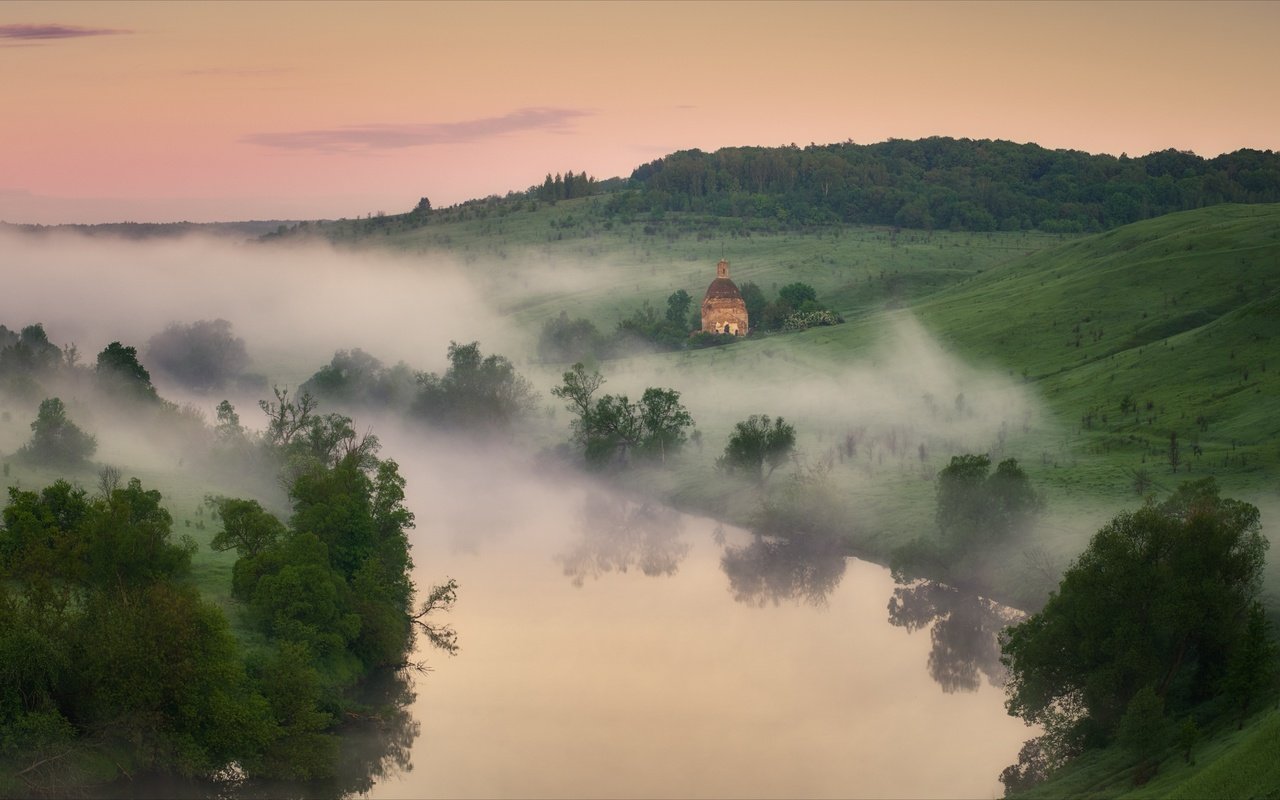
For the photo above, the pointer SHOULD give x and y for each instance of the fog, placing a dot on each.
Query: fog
(578, 598)
(890, 403)
(294, 305)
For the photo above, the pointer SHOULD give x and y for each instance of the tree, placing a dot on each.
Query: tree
(356, 379)
(1141, 482)
(1143, 730)
(798, 296)
(612, 428)
(119, 368)
(285, 417)
(27, 353)
(758, 441)
(755, 300)
(1160, 598)
(663, 421)
(1252, 668)
(246, 526)
(202, 356)
(55, 439)
(228, 429)
(566, 340)
(678, 308)
(123, 649)
(475, 392)
(973, 505)
(578, 388)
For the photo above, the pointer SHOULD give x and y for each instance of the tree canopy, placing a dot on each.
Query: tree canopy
(203, 355)
(975, 504)
(612, 430)
(1160, 600)
(946, 183)
(475, 392)
(119, 369)
(756, 442)
(55, 439)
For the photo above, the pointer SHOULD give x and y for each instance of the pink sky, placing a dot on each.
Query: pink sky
(221, 111)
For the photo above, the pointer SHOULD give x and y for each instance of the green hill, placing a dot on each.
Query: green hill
(1164, 326)
(1124, 338)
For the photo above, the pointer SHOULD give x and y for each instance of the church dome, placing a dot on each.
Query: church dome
(723, 288)
(723, 309)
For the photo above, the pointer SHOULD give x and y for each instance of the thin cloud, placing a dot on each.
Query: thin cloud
(388, 136)
(25, 32)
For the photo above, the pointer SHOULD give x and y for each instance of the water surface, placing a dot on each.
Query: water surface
(614, 648)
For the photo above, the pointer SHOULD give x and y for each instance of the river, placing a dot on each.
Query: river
(615, 648)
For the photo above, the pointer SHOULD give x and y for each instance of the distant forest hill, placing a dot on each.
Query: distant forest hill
(935, 183)
(958, 184)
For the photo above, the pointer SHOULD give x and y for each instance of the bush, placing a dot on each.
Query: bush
(803, 320)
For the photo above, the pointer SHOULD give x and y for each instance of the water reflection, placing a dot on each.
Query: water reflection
(617, 534)
(377, 745)
(374, 744)
(801, 568)
(964, 632)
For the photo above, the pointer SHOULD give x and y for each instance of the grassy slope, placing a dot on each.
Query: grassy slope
(1180, 312)
(855, 269)
(1226, 764)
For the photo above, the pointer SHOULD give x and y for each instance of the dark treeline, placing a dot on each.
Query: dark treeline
(115, 663)
(945, 183)
(565, 187)
(935, 183)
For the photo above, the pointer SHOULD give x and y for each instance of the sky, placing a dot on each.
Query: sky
(166, 111)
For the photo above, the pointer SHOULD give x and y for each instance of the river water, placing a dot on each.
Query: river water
(615, 648)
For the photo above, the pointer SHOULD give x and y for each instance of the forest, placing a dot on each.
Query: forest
(948, 184)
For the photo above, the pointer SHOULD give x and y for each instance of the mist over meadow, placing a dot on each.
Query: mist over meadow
(295, 306)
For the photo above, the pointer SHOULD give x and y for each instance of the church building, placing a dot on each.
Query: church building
(723, 309)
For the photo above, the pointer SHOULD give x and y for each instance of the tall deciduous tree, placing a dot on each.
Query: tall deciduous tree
(1160, 598)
